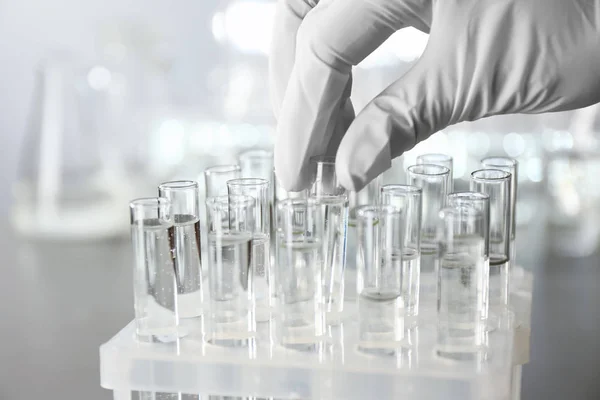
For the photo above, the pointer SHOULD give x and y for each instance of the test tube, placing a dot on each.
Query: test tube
(154, 277)
(496, 184)
(232, 319)
(215, 179)
(380, 279)
(481, 203)
(185, 247)
(462, 263)
(258, 163)
(368, 195)
(512, 166)
(259, 227)
(439, 159)
(302, 320)
(333, 202)
(434, 181)
(407, 199)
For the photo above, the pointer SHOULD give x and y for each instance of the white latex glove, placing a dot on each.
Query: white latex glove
(484, 57)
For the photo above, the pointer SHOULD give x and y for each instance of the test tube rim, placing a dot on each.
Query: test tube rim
(469, 194)
(287, 203)
(496, 162)
(226, 199)
(149, 202)
(502, 175)
(463, 210)
(440, 168)
(442, 157)
(255, 153)
(401, 188)
(248, 182)
(328, 160)
(222, 169)
(361, 211)
(178, 185)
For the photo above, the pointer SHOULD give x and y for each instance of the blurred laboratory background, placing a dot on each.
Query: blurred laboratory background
(102, 100)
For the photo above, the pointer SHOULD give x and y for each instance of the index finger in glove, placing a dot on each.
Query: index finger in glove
(332, 37)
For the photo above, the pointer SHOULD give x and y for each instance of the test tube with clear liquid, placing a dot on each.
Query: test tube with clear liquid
(496, 184)
(481, 203)
(380, 279)
(460, 326)
(511, 166)
(301, 325)
(408, 200)
(186, 249)
(434, 181)
(216, 177)
(232, 320)
(333, 201)
(259, 227)
(439, 159)
(154, 278)
(368, 195)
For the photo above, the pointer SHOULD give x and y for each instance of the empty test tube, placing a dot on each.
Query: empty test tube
(407, 199)
(380, 279)
(481, 203)
(496, 184)
(260, 229)
(258, 163)
(154, 277)
(215, 179)
(462, 263)
(368, 195)
(434, 180)
(439, 159)
(333, 201)
(185, 246)
(302, 320)
(512, 166)
(232, 320)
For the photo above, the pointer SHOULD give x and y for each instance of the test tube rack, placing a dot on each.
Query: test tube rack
(337, 371)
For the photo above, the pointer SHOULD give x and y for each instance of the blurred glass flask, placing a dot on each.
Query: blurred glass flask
(70, 185)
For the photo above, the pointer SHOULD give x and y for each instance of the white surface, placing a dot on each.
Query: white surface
(339, 371)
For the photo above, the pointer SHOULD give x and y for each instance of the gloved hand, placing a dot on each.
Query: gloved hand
(484, 57)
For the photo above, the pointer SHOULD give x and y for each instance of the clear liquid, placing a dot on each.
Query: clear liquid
(459, 296)
(411, 271)
(429, 272)
(499, 276)
(231, 314)
(154, 282)
(380, 323)
(302, 319)
(335, 218)
(186, 247)
(350, 284)
(262, 279)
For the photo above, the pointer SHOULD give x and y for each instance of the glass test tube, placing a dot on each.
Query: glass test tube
(154, 278)
(232, 319)
(368, 195)
(407, 199)
(333, 201)
(215, 179)
(496, 184)
(462, 264)
(434, 181)
(185, 246)
(439, 159)
(258, 163)
(512, 166)
(380, 279)
(481, 203)
(302, 321)
(259, 226)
